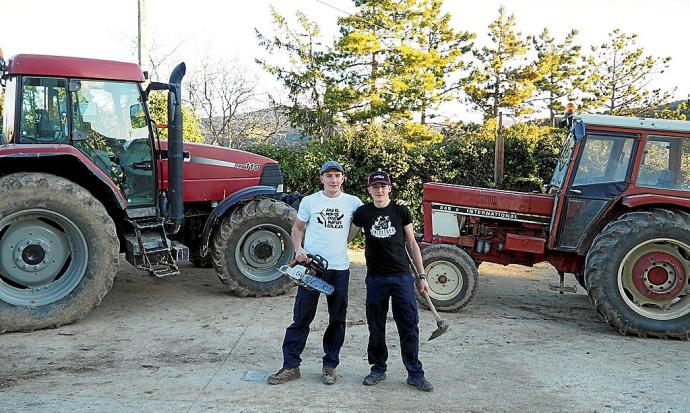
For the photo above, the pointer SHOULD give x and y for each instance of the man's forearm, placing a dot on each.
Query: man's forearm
(354, 230)
(416, 256)
(297, 235)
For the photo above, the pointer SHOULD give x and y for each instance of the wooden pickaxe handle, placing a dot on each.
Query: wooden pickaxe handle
(425, 294)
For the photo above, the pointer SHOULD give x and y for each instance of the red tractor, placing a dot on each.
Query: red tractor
(615, 216)
(84, 178)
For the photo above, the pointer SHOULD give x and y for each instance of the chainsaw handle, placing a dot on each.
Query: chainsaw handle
(318, 260)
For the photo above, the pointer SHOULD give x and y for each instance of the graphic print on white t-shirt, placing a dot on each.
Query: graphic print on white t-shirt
(328, 224)
(382, 227)
(331, 218)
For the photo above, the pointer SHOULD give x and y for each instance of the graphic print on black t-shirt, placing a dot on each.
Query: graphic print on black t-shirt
(382, 227)
(330, 218)
(384, 245)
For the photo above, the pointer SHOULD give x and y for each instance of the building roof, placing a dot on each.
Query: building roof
(74, 67)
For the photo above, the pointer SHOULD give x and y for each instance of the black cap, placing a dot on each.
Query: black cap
(378, 177)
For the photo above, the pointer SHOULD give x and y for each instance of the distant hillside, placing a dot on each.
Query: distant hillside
(675, 104)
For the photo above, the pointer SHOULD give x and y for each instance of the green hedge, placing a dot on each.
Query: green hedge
(461, 158)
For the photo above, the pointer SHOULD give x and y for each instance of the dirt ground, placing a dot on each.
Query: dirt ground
(185, 344)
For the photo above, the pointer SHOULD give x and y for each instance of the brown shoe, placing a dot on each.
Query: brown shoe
(328, 375)
(284, 375)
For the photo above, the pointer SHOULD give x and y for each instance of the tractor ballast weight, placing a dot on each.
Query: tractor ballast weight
(615, 215)
(84, 177)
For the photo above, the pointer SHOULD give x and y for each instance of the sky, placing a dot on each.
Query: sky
(191, 30)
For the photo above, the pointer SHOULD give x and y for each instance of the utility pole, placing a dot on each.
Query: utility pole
(499, 154)
(142, 39)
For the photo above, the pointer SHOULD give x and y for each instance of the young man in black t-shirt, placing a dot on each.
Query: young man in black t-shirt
(387, 229)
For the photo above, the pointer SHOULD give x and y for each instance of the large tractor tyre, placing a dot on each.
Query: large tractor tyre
(58, 252)
(452, 276)
(250, 246)
(637, 274)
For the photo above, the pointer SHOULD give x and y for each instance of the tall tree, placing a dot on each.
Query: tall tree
(561, 72)
(621, 75)
(503, 79)
(311, 106)
(368, 40)
(220, 91)
(397, 59)
(428, 59)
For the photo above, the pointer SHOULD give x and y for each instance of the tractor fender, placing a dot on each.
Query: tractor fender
(43, 153)
(226, 205)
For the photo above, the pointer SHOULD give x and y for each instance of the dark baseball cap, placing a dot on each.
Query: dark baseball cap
(378, 177)
(331, 165)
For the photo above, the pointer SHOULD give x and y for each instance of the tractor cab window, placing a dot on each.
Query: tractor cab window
(604, 159)
(563, 161)
(665, 163)
(43, 110)
(109, 126)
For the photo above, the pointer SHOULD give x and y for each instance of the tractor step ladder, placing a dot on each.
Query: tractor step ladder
(158, 259)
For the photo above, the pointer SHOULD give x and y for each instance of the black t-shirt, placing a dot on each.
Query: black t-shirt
(384, 246)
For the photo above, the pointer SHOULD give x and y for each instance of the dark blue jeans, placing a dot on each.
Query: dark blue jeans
(303, 314)
(399, 290)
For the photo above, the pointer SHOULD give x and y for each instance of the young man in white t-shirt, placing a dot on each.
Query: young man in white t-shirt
(326, 216)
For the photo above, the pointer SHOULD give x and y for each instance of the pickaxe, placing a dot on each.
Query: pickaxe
(441, 325)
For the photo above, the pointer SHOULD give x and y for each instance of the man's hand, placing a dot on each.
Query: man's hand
(423, 286)
(300, 254)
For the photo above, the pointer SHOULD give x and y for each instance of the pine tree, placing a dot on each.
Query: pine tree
(560, 70)
(621, 75)
(306, 78)
(398, 58)
(503, 79)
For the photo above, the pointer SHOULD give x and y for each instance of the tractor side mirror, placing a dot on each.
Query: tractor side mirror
(137, 116)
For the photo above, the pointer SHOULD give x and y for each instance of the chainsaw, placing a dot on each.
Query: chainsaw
(309, 274)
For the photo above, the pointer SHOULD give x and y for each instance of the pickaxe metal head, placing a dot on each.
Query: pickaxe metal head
(442, 328)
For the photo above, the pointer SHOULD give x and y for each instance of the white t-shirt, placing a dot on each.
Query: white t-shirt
(328, 224)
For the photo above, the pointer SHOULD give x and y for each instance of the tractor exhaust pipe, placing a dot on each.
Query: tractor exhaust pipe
(175, 153)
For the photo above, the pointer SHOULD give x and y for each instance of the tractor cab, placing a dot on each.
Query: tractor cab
(606, 160)
(104, 119)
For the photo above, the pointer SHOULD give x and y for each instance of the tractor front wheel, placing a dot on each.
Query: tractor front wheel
(58, 252)
(637, 273)
(250, 246)
(452, 276)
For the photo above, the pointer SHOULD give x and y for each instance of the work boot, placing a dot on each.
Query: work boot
(284, 375)
(374, 378)
(420, 382)
(328, 375)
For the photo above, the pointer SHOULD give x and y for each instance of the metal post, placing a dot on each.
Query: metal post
(142, 38)
(499, 153)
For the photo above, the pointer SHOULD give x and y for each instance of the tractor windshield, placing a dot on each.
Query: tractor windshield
(109, 126)
(564, 159)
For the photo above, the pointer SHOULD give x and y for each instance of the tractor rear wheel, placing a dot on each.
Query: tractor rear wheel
(250, 246)
(58, 252)
(637, 273)
(452, 276)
